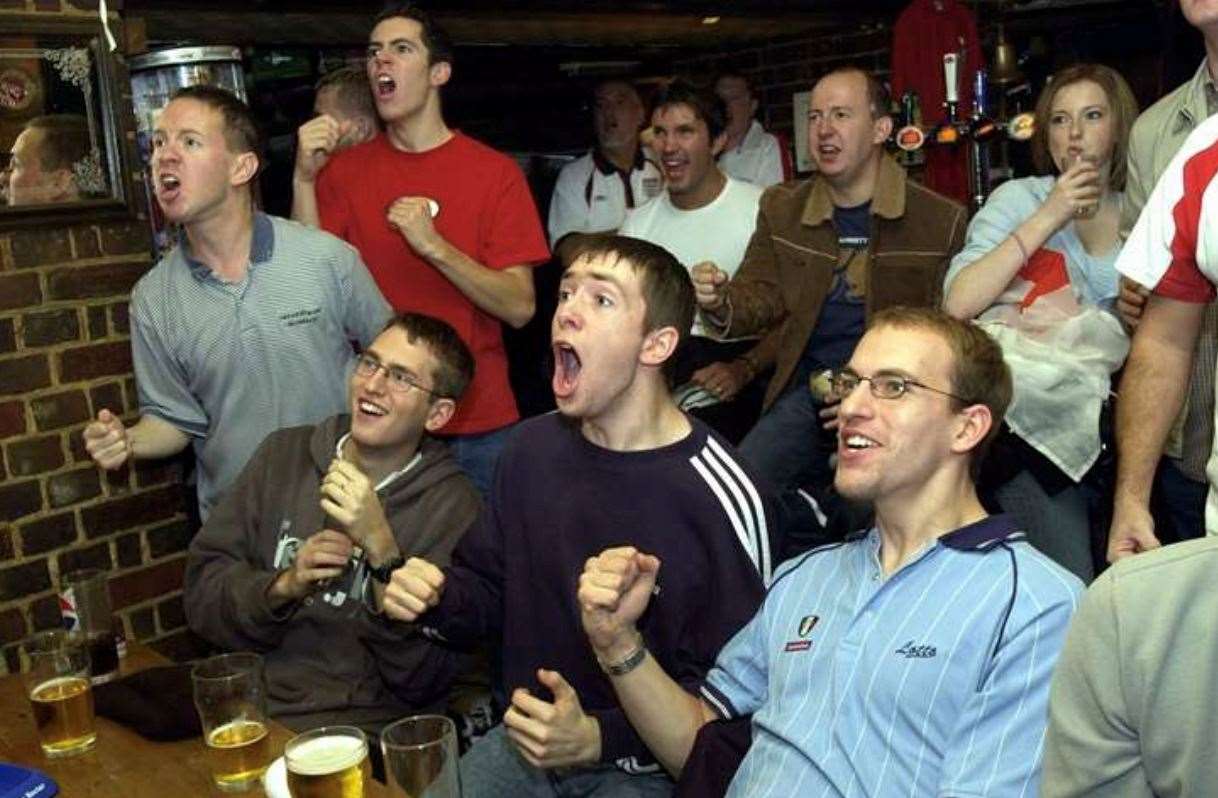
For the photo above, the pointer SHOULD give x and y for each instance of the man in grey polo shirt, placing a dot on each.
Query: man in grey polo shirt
(244, 326)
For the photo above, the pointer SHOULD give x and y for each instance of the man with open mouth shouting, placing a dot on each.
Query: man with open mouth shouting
(241, 327)
(618, 462)
(446, 224)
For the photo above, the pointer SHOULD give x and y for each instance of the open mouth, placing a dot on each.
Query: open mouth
(384, 86)
(567, 366)
(855, 442)
(167, 186)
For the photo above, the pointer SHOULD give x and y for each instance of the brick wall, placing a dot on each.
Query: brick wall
(65, 354)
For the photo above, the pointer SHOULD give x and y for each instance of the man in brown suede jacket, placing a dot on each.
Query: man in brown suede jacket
(293, 560)
(828, 252)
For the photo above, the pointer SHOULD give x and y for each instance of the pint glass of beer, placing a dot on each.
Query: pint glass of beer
(84, 600)
(57, 682)
(230, 696)
(330, 762)
(421, 757)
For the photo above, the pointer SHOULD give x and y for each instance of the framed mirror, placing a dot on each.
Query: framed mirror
(65, 123)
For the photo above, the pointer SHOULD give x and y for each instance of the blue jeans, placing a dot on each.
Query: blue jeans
(1058, 525)
(478, 454)
(788, 446)
(492, 768)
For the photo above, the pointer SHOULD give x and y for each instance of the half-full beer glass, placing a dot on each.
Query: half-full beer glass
(421, 757)
(330, 762)
(57, 682)
(230, 696)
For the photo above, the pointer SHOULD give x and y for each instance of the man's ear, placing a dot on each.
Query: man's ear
(973, 424)
(245, 166)
(659, 345)
(63, 184)
(883, 129)
(439, 413)
(439, 73)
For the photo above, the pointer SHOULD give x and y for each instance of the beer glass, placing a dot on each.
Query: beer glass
(421, 757)
(330, 762)
(57, 682)
(230, 696)
(87, 594)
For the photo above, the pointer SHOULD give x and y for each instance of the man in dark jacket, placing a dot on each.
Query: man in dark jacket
(293, 560)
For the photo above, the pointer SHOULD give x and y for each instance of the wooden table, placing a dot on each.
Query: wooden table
(122, 764)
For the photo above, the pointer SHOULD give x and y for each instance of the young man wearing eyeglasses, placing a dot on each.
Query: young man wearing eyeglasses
(293, 560)
(913, 658)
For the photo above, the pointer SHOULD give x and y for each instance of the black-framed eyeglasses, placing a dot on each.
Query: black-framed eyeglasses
(398, 380)
(883, 386)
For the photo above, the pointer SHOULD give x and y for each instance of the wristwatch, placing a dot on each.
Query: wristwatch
(382, 573)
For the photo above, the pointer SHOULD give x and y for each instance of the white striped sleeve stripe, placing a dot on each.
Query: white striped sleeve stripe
(718, 701)
(740, 501)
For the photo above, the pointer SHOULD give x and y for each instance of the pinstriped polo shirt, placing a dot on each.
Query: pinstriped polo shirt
(229, 363)
(931, 682)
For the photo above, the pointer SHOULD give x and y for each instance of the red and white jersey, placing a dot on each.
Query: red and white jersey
(1170, 249)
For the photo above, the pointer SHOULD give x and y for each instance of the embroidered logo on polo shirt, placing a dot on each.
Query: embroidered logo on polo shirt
(305, 316)
(806, 625)
(911, 651)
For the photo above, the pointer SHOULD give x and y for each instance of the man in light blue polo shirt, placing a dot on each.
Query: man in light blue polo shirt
(913, 659)
(245, 326)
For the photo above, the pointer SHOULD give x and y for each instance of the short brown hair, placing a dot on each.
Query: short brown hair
(706, 104)
(241, 132)
(980, 375)
(454, 368)
(351, 90)
(668, 292)
(65, 140)
(1120, 99)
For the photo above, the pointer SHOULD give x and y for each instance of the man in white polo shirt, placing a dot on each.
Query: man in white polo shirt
(1174, 250)
(913, 658)
(751, 153)
(594, 193)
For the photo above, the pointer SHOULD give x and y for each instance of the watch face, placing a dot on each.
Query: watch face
(17, 90)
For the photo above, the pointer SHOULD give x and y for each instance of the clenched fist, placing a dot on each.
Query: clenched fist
(107, 442)
(413, 589)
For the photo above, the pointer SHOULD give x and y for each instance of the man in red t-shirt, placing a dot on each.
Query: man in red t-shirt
(446, 224)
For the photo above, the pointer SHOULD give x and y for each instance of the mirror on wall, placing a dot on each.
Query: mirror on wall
(62, 139)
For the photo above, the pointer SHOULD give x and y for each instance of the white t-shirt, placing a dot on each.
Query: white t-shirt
(592, 198)
(756, 159)
(718, 232)
(1173, 248)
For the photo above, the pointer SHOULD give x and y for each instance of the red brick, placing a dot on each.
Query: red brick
(59, 410)
(38, 246)
(127, 550)
(147, 583)
(12, 653)
(24, 580)
(8, 336)
(120, 318)
(45, 614)
(95, 360)
(128, 238)
(50, 328)
(12, 626)
(47, 534)
(34, 455)
(6, 543)
(73, 487)
(169, 539)
(95, 556)
(98, 328)
(143, 623)
(87, 244)
(127, 512)
(12, 419)
(23, 374)
(19, 499)
(88, 282)
(170, 614)
(107, 396)
(20, 291)
(149, 473)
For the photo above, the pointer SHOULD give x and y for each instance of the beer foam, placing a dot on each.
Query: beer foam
(325, 755)
(59, 688)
